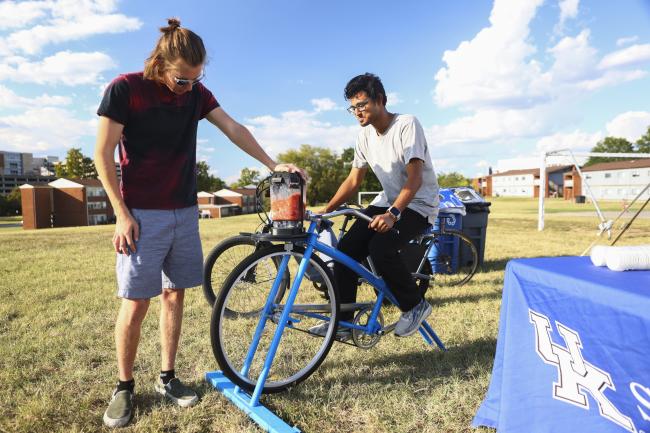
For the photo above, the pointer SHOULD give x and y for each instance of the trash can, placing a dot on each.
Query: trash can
(475, 220)
(451, 213)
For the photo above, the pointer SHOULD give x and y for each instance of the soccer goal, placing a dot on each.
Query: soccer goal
(370, 196)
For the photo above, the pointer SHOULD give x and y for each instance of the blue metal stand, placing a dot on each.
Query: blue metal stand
(266, 419)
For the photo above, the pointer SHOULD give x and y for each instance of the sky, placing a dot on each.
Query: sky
(493, 82)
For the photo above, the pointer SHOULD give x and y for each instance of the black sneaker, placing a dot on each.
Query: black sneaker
(177, 392)
(120, 409)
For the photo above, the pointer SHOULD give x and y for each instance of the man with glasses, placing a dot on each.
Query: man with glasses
(395, 147)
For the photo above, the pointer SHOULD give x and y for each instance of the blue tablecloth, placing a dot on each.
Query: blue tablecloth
(573, 351)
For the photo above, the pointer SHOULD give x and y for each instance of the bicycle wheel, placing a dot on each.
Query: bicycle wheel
(299, 353)
(222, 259)
(453, 258)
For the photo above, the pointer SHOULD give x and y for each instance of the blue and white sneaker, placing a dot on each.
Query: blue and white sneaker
(410, 321)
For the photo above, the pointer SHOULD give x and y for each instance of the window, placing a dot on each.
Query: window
(608, 175)
(97, 205)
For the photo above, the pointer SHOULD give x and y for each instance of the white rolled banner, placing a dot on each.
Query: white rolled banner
(621, 258)
(598, 255)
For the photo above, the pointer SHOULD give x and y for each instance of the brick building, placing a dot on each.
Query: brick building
(65, 203)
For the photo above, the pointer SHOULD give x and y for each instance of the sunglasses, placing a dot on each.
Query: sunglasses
(185, 81)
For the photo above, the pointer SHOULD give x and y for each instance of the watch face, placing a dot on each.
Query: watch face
(395, 212)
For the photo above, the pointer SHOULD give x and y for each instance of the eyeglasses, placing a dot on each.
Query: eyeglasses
(185, 81)
(361, 107)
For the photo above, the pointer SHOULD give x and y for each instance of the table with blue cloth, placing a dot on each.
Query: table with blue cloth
(573, 350)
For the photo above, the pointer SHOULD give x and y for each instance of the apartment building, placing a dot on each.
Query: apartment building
(523, 183)
(617, 180)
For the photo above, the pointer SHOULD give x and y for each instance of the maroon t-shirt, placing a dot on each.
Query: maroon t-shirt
(158, 146)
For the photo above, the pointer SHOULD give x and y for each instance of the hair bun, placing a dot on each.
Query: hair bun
(174, 23)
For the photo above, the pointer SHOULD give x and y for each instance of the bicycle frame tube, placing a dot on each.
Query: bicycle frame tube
(264, 317)
(268, 361)
(352, 264)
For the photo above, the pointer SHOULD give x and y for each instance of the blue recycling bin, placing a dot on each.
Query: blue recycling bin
(475, 220)
(451, 213)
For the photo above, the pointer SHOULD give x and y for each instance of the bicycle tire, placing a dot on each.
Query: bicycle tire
(448, 270)
(299, 353)
(222, 259)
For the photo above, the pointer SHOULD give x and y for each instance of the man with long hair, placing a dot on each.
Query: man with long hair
(153, 115)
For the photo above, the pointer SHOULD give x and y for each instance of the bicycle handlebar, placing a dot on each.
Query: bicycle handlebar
(344, 211)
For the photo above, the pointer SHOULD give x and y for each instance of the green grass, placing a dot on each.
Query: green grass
(57, 362)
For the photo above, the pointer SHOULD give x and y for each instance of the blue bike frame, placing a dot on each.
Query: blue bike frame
(250, 404)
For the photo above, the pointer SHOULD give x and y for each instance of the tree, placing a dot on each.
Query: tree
(610, 145)
(10, 205)
(370, 181)
(325, 169)
(76, 165)
(643, 143)
(247, 176)
(205, 181)
(450, 180)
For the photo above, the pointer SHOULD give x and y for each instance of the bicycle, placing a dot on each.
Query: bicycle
(446, 256)
(291, 356)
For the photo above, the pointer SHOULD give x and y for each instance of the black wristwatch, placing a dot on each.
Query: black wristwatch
(395, 213)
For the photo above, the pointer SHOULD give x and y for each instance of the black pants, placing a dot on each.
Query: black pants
(360, 242)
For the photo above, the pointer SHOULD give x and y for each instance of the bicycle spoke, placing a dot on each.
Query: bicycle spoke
(298, 353)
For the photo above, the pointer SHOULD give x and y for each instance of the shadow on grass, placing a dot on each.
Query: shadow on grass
(438, 301)
(458, 362)
(147, 400)
(494, 265)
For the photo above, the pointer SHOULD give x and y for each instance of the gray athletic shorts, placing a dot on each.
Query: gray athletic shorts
(168, 254)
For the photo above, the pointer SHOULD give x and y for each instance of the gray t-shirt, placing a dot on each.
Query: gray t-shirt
(387, 155)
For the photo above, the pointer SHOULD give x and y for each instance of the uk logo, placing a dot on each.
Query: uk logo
(576, 377)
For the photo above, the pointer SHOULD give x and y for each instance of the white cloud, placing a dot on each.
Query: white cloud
(323, 104)
(293, 128)
(20, 13)
(611, 78)
(568, 9)
(493, 68)
(575, 59)
(498, 78)
(444, 165)
(482, 164)
(262, 170)
(64, 67)
(9, 99)
(494, 125)
(43, 129)
(63, 21)
(627, 56)
(630, 125)
(576, 140)
(393, 98)
(627, 40)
